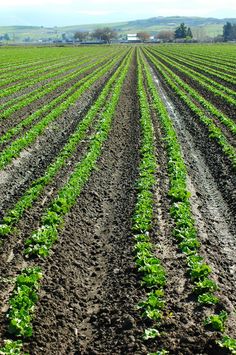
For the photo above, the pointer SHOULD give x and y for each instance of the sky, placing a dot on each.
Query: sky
(75, 12)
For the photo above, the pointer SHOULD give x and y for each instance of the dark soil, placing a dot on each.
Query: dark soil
(220, 103)
(33, 161)
(90, 289)
(89, 296)
(211, 181)
(26, 111)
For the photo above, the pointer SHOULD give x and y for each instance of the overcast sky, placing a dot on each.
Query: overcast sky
(74, 12)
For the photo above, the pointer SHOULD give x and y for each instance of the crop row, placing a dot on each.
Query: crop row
(15, 59)
(217, 70)
(205, 78)
(15, 69)
(224, 119)
(13, 215)
(13, 150)
(31, 80)
(184, 230)
(221, 55)
(19, 58)
(21, 312)
(29, 83)
(8, 67)
(216, 89)
(149, 266)
(214, 131)
(35, 71)
(47, 107)
(24, 100)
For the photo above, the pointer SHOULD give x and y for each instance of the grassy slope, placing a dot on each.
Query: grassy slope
(211, 27)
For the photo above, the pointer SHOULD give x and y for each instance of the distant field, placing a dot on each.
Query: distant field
(117, 200)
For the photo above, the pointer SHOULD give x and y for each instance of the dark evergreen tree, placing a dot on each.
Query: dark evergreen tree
(189, 33)
(229, 32)
(181, 31)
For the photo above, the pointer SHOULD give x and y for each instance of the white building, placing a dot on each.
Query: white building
(132, 37)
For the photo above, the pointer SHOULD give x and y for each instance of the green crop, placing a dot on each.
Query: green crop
(42, 240)
(161, 352)
(12, 347)
(217, 321)
(153, 275)
(153, 305)
(184, 226)
(13, 150)
(13, 216)
(151, 333)
(214, 131)
(205, 285)
(207, 298)
(228, 343)
(22, 302)
(199, 271)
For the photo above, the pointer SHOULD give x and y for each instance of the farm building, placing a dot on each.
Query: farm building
(132, 38)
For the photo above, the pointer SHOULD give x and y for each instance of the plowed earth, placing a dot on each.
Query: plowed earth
(90, 290)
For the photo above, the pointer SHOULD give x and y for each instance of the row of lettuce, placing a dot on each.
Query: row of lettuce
(203, 110)
(25, 295)
(208, 66)
(40, 86)
(154, 277)
(53, 111)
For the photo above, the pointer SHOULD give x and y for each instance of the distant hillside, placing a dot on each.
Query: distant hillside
(209, 26)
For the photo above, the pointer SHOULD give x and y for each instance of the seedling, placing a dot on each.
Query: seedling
(151, 333)
(217, 321)
(207, 298)
(228, 343)
(11, 347)
(205, 285)
(199, 271)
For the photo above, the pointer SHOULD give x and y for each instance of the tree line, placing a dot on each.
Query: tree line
(106, 34)
(181, 33)
(229, 32)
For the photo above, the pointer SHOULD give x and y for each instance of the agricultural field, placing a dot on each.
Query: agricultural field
(118, 200)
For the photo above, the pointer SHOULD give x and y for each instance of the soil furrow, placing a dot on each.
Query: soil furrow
(219, 102)
(32, 161)
(23, 113)
(182, 326)
(212, 208)
(91, 281)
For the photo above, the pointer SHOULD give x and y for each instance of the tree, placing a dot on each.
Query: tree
(143, 36)
(181, 31)
(166, 35)
(229, 32)
(6, 37)
(189, 33)
(218, 38)
(80, 35)
(105, 34)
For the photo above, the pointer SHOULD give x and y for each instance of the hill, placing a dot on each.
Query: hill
(209, 27)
